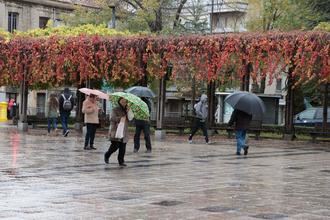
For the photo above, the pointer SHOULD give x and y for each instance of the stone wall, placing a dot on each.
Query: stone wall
(29, 12)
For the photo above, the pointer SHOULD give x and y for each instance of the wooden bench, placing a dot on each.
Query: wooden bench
(178, 123)
(255, 128)
(36, 119)
(319, 132)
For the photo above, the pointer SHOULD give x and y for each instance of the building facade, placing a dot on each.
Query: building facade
(24, 15)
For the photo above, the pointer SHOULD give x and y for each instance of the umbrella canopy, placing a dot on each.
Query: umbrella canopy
(247, 102)
(98, 93)
(138, 107)
(141, 91)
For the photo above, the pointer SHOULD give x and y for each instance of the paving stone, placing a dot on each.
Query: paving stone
(46, 177)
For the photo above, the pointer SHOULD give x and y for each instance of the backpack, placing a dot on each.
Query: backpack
(67, 105)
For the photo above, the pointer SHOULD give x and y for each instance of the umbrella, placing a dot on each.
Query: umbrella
(98, 93)
(138, 107)
(247, 102)
(141, 91)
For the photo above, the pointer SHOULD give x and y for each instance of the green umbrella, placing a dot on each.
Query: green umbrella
(138, 107)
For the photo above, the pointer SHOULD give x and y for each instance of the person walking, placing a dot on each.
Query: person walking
(91, 118)
(201, 111)
(10, 108)
(242, 121)
(142, 125)
(65, 105)
(52, 113)
(118, 141)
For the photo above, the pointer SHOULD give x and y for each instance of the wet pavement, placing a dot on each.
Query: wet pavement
(51, 177)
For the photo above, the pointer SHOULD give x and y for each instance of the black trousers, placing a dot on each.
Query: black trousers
(90, 134)
(145, 127)
(115, 145)
(199, 124)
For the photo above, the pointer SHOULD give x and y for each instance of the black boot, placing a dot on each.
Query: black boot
(106, 157)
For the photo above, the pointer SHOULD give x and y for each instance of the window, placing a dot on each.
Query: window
(41, 104)
(12, 21)
(43, 22)
(278, 85)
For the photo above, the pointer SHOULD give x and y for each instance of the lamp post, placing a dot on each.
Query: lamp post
(112, 23)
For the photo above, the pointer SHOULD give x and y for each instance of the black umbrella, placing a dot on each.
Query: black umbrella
(141, 91)
(247, 102)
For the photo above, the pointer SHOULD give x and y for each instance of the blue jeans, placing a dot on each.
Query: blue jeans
(64, 120)
(50, 122)
(240, 138)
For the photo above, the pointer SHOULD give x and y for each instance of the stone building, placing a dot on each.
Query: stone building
(24, 15)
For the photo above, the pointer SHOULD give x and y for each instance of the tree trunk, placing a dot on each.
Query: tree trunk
(245, 83)
(23, 99)
(161, 103)
(178, 13)
(157, 24)
(193, 91)
(325, 107)
(289, 106)
(211, 102)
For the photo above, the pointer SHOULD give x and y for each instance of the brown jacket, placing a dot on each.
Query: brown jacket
(91, 111)
(116, 115)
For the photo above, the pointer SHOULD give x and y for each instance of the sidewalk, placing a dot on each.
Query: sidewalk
(51, 177)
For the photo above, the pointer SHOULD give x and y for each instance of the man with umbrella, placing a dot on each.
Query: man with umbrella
(245, 106)
(242, 121)
(142, 125)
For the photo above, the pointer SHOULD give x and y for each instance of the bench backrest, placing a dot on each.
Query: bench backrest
(255, 124)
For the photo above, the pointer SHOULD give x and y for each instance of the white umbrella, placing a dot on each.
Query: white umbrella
(98, 93)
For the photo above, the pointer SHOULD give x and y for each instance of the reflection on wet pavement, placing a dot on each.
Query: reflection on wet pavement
(46, 177)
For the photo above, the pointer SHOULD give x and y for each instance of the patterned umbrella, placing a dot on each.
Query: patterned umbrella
(138, 107)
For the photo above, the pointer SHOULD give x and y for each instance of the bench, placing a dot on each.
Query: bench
(319, 132)
(179, 123)
(34, 120)
(255, 127)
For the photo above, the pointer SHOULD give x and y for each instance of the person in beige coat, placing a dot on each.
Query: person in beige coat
(91, 111)
(118, 114)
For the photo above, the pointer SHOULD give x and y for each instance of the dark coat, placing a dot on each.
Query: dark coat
(241, 119)
(116, 115)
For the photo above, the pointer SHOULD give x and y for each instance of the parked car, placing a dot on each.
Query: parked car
(310, 117)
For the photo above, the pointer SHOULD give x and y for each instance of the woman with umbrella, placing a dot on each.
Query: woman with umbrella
(118, 115)
(91, 111)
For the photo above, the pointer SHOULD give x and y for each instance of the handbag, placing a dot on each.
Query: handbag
(120, 130)
(130, 115)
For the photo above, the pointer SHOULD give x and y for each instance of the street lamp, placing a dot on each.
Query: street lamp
(112, 23)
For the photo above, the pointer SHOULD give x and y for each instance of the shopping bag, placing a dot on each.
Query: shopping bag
(130, 115)
(120, 130)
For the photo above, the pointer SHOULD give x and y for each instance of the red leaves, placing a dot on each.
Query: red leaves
(57, 60)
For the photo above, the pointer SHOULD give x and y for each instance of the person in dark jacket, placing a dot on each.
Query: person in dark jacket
(118, 114)
(142, 125)
(65, 106)
(242, 121)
